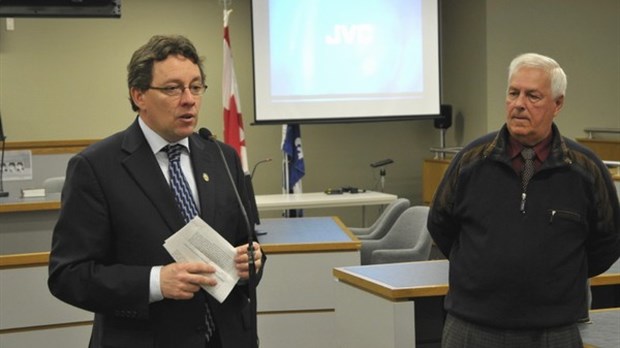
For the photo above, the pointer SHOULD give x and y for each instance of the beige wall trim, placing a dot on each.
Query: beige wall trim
(300, 311)
(45, 327)
(50, 147)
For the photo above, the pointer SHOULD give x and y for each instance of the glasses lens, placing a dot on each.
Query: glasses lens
(173, 90)
(197, 89)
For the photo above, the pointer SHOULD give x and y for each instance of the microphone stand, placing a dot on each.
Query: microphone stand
(382, 176)
(251, 259)
(2, 193)
(382, 172)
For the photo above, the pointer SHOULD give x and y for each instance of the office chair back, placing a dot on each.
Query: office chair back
(407, 240)
(54, 185)
(384, 222)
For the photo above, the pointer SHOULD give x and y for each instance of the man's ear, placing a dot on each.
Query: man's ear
(559, 103)
(137, 96)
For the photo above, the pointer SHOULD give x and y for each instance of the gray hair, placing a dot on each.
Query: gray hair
(538, 61)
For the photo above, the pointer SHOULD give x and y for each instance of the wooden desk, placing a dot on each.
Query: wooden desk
(19, 205)
(27, 224)
(433, 170)
(610, 277)
(607, 149)
(390, 294)
(296, 303)
(321, 200)
(263, 202)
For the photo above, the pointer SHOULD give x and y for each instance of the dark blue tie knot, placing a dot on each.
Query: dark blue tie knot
(174, 152)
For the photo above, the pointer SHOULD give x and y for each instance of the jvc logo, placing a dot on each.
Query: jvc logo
(351, 34)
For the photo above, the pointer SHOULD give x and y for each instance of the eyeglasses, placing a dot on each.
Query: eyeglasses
(175, 91)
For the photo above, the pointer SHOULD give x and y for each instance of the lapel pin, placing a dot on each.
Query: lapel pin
(205, 177)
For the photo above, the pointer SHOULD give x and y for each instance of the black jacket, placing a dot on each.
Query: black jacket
(524, 270)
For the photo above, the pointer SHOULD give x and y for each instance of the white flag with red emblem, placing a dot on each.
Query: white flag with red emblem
(234, 134)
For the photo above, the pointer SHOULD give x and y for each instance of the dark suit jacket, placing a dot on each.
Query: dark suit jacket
(117, 210)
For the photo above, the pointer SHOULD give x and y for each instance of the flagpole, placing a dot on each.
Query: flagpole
(233, 109)
(285, 181)
(225, 3)
(286, 188)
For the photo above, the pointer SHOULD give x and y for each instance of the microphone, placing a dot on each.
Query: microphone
(3, 140)
(207, 135)
(256, 165)
(382, 163)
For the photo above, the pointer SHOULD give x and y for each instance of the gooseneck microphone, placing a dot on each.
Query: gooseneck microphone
(256, 165)
(207, 135)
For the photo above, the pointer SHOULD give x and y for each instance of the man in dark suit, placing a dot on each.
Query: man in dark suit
(118, 208)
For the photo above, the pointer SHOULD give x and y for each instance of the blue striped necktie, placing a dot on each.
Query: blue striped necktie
(187, 205)
(178, 183)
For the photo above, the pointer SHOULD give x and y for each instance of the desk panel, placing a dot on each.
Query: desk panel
(603, 330)
(301, 253)
(295, 299)
(393, 291)
(296, 291)
(27, 231)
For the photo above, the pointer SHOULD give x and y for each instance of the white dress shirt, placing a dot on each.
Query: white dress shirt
(157, 143)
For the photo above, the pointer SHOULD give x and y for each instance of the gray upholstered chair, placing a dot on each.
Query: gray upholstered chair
(54, 184)
(407, 240)
(384, 222)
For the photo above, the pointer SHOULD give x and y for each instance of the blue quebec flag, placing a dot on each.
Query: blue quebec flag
(294, 167)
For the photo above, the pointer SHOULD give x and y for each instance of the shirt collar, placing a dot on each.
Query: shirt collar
(155, 141)
(541, 149)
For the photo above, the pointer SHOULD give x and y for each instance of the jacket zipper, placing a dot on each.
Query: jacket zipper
(523, 196)
(563, 212)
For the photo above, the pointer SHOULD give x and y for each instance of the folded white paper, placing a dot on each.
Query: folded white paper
(199, 242)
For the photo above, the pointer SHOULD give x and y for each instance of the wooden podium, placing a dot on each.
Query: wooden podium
(432, 173)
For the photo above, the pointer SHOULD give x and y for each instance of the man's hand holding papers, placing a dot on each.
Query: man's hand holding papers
(197, 242)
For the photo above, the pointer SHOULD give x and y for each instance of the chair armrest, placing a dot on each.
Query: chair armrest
(359, 231)
(368, 246)
(399, 255)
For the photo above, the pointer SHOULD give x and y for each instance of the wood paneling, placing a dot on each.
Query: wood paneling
(606, 149)
(432, 173)
(50, 147)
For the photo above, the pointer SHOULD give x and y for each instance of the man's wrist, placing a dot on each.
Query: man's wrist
(155, 294)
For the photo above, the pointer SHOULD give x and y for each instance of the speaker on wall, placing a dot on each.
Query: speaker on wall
(445, 121)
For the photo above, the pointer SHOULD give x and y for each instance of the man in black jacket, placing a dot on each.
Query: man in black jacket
(523, 235)
(118, 208)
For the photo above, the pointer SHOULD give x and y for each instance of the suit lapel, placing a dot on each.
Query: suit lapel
(144, 169)
(203, 163)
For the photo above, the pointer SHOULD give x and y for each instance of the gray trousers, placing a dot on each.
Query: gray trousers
(458, 333)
